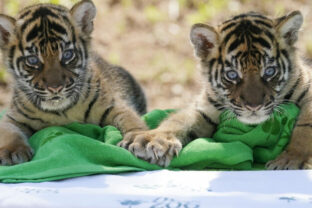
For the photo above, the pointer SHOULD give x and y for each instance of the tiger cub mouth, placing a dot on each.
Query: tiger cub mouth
(254, 117)
(56, 98)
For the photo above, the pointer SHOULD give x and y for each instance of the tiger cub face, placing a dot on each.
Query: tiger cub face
(247, 61)
(46, 49)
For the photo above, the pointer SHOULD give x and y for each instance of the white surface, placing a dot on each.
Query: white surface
(167, 189)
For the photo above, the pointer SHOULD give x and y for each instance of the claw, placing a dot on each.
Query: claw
(176, 152)
(156, 156)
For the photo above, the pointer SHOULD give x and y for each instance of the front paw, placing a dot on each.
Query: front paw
(154, 146)
(15, 152)
(290, 161)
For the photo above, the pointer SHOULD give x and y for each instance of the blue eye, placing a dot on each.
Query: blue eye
(269, 72)
(232, 75)
(68, 55)
(32, 60)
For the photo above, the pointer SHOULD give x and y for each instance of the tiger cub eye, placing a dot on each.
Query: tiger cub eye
(270, 71)
(68, 55)
(32, 60)
(232, 75)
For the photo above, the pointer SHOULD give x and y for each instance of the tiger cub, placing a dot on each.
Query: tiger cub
(249, 65)
(59, 80)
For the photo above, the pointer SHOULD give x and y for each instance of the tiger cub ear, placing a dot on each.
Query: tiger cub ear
(7, 25)
(288, 26)
(204, 39)
(83, 13)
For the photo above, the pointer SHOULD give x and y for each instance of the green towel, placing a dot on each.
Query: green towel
(84, 149)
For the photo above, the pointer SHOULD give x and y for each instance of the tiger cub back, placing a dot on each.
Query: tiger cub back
(58, 79)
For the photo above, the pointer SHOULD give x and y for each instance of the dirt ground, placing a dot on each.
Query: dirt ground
(151, 40)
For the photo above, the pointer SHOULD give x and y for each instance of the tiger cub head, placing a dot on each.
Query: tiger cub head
(46, 50)
(247, 61)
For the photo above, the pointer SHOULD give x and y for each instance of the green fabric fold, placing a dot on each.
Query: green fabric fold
(84, 149)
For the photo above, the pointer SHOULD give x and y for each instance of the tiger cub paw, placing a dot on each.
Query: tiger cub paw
(290, 161)
(153, 146)
(15, 152)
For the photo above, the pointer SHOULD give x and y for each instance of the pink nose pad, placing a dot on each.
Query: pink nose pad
(253, 108)
(55, 89)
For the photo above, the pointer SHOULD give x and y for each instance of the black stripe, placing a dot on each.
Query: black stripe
(24, 125)
(11, 55)
(292, 90)
(57, 27)
(285, 53)
(96, 96)
(277, 49)
(48, 27)
(40, 12)
(270, 36)
(116, 115)
(72, 104)
(105, 114)
(227, 21)
(24, 14)
(228, 26)
(262, 42)
(215, 103)
(24, 107)
(263, 23)
(304, 125)
(225, 81)
(32, 33)
(88, 87)
(207, 119)
(238, 31)
(250, 14)
(283, 66)
(25, 114)
(58, 9)
(19, 62)
(20, 46)
(302, 95)
(72, 29)
(251, 27)
(11, 52)
(211, 63)
(227, 63)
(216, 75)
(235, 44)
(228, 36)
(84, 44)
(269, 103)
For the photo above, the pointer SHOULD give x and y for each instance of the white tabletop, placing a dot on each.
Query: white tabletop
(167, 189)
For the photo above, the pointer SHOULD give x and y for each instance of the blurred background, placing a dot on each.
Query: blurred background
(150, 38)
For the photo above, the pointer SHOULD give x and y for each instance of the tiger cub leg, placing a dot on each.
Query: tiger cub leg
(160, 145)
(298, 154)
(124, 118)
(14, 148)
